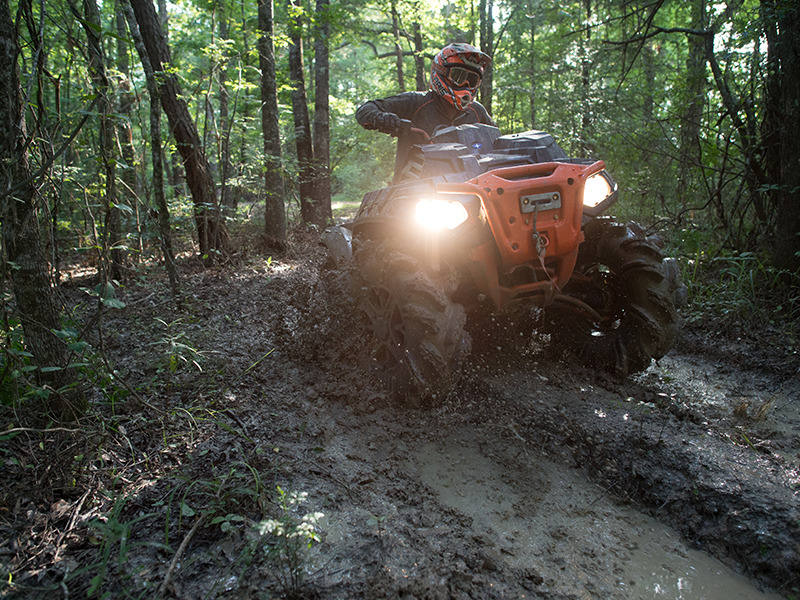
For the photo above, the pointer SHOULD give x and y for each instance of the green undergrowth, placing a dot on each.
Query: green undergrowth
(733, 292)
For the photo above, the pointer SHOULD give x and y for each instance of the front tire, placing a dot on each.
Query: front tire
(622, 275)
(421, 340)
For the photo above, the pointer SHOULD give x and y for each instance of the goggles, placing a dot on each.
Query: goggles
(463, 77)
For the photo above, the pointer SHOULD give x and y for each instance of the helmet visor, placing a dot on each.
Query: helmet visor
(462, 77)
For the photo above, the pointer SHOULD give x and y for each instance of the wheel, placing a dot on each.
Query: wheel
(623, 277)
(421, 340)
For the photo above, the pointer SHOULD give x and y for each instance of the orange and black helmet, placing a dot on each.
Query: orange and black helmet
(456, 73)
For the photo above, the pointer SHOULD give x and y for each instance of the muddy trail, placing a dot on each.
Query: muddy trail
(533, 479)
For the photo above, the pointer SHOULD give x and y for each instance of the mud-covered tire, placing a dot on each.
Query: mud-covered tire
(419, 330)
(622, 275)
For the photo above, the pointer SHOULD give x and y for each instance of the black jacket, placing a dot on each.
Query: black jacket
(426, 111)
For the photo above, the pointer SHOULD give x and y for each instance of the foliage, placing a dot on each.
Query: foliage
(288, 537)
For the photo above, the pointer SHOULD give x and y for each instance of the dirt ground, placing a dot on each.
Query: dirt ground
(533, 479)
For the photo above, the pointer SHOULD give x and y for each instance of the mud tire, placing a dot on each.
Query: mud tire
(622, 274)
(420, 333)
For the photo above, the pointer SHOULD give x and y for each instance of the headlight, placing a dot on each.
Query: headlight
(596, 189)
(436, 214)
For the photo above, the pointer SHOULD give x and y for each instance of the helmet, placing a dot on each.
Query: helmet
(456, 73)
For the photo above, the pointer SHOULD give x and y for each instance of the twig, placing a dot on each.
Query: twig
(176, 558)
(76, 511)
(33, 430)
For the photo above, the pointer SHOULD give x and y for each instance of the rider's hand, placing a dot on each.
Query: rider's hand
(387, 123)
(418, 136)
(414, 135)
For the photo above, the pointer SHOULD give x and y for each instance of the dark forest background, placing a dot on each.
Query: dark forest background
(135, 132)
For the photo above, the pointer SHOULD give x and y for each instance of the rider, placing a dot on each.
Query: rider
(413, 117)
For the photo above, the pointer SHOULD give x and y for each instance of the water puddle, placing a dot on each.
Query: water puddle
(534, 514)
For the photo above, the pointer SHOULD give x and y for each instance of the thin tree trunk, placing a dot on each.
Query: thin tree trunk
(419, 60)
(586, 119)
(398, 49)
(532, 61)
(32, 291)
(97, 68)
(227, 198)
(322, 134)
(694, 102)
(302, 129)
(648, 60)
(160, 199)
(211, 232)
(274, 207)
(124, 131)
(486, 11)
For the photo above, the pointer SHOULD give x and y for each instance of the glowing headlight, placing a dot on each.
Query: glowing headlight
(436, 214)
(596, 190)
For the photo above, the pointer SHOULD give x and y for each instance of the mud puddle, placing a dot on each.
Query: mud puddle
(535, 514)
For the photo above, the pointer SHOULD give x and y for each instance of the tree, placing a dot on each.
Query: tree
(97, 67)
(309, 208)
(211, 233)
(32, 292)
(694, 99)
(125, 99)
(275, 211)
(486, 11)
(781, 125)
(165, 234)
(322, 135)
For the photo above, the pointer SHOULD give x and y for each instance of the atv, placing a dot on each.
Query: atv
(480, 225)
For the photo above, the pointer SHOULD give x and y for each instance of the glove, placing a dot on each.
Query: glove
(414, 135)
(387, 123)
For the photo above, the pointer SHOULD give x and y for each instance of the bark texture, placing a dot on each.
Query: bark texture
(128, 192)
(32, 292)
(211, 233)
(322, 133)
(694, 101)
(274, 207)
(781, 126)
(302, 129)
(398, 49)
(486, 10)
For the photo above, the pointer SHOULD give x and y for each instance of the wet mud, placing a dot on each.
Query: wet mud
(533, 479)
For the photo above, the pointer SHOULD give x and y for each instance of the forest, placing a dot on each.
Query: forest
(188, 407)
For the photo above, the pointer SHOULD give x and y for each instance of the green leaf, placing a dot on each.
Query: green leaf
(112, 302)
(50, 369)
(124, 208)
(186, 510)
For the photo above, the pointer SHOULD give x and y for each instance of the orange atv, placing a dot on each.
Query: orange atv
(482, 224)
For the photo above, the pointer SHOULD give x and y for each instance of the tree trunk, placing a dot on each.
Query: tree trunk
(274, 207)
(486, 10)
(419, 60)
(211, 233)
(92, 25)
(32, 291)
(398, 49)
(125, 108)
(532, 61)
(322, 134)
(159, 198)
(309, 211)
(586, 118)
(694, 102)
(781, 126)
(648, 103)
(227, 198)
